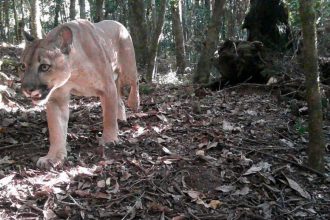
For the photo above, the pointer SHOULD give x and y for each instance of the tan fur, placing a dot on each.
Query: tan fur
(83, 59)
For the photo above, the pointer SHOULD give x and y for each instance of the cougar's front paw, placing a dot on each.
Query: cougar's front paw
(105, 142)
(109, 143)
(133, 103)
(48, 162)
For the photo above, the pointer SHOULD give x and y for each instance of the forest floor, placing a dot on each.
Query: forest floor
(238, 153)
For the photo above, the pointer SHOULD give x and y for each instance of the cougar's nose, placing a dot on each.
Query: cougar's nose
(28, 88)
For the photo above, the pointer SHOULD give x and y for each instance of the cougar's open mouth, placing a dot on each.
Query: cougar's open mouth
(41, 96)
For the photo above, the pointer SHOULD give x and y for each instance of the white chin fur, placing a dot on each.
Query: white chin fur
(43, 101)
(40, 102)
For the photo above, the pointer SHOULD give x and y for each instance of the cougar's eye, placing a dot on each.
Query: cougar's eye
(21, 67)
(44, 67)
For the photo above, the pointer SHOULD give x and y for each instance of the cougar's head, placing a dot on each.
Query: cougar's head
(45, 65)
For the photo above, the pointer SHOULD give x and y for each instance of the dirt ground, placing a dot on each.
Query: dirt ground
(239, 153)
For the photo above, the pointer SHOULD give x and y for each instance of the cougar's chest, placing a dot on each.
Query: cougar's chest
(86, 85)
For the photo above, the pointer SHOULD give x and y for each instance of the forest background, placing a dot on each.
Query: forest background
(170, 34)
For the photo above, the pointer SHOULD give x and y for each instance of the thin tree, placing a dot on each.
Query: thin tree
(91, 8)
(2, 32)
(316, 148)
(98, 10)
(202, 72)
(154, 41)
(35, 19)
(6, 17)
(123, 15)
(17, 33)
(146, 42)
(57, 12)
(138, 29)
(72, 9)
(231, 10)
(82, 7)
(176, 9)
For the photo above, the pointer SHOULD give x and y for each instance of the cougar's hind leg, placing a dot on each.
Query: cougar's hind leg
(121, 113)
(134, 97)
(130, 74)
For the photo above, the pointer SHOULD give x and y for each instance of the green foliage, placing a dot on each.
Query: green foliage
(146, 89)
(322, 8)
(196, 18)
(300, 126)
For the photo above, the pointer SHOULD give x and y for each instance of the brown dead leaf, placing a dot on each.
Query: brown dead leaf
(295, 186)
(6, 160)
(41, 194)
(179, 217)
(262, 166)
(49, 214)
(101, 183)
(194, 194)
(115, 188)
(162, 118)
(82, 193)
(101, 195)
(225, 188)
(244, 191)
(212, 145)
(200, 153)
(156, 207)
(214, 204)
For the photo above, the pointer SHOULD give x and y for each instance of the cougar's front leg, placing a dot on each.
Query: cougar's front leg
(57, 119)
(109, 102)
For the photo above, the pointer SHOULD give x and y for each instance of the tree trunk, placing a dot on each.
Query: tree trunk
(98, 10)
(57, 12)
(204, 64)
(184, 20)
(2, 32)
(82, 7)
(138, 30)
(6, 16)
(35, 19)
(316, 148)
(154, 41)
(231, 20)
(72, 9)
(263, 22)
(22, 10)
(123, 14)
(196, 27)
(17, 33)
(91, 9)
(178, 36)
(153, 7)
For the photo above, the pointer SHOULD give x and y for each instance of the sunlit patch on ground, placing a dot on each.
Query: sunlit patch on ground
(225, 160)
(172, 78)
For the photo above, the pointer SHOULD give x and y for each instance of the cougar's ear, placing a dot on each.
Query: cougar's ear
(64, 39)
(28, 37)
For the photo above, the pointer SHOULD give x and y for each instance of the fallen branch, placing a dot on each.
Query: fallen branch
(17, 145)
(285, 160)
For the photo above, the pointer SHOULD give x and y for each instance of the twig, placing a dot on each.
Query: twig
(76, 203)
(34, 207)
(296, 208)
(192, 215)
(31, 206)
(16, 145)
(283, 159)
(217, 217)
(130, 210)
